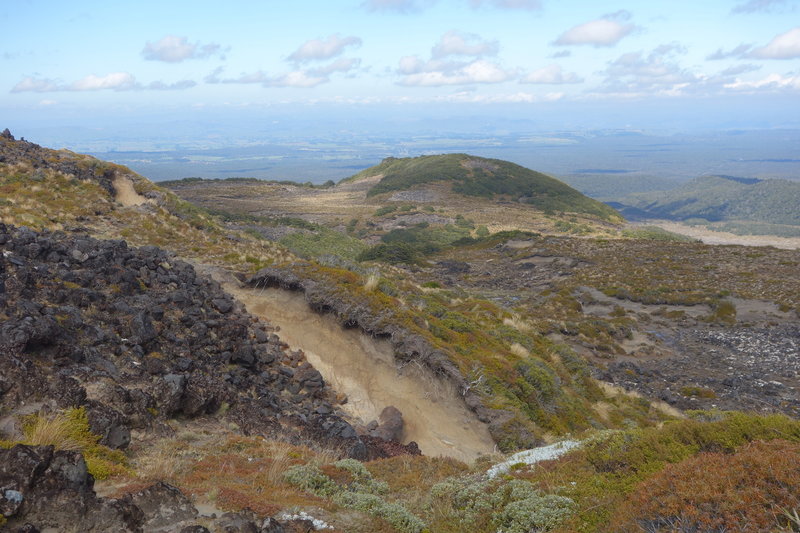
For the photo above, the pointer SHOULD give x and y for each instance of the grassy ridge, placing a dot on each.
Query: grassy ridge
(487, 178)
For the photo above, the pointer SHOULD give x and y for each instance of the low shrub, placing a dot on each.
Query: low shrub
(744, 491)
(363, 493)
(516, 506)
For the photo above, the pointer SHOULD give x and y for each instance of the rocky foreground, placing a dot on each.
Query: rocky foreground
(137, 339)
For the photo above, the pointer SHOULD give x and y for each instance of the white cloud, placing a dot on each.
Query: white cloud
(437, 73)
(298, 78)
(551, 74)
(561, 53)
(174, 49)
(739, 51)
(531, 5)
(410, 65)
(783, 46)
(605, 31)
(343, 64)
(35, 85)
(177, 86)
(401, 6)
(739, 69)
(117, 81)
(753, 6)
(773, 82)
(466, 44)
(322, 49)
(656, 72)
(440, 71)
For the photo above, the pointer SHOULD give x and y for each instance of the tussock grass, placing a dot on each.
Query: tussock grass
(69, 430)
(52, 430)
(371, 281)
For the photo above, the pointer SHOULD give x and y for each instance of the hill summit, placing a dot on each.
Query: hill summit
(470, 175)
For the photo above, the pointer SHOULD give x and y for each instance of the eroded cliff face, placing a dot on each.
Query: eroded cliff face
(363, 368)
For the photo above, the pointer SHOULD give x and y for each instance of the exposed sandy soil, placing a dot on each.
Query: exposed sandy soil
(363, 368)
(126, 194)
(721, 237)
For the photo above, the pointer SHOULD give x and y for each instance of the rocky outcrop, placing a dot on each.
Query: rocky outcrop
(21, 151)
(136, 336)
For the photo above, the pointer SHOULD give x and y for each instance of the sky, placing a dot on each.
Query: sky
(83, 60)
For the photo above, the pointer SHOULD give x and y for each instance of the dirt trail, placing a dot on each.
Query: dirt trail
(363, 368)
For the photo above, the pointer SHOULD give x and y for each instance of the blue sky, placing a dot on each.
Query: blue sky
(106, 58)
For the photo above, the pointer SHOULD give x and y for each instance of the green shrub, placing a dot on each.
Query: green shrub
(385, 210)
(323, 242)
(311, 479)
(477, 504)
(723, 311)
(363, 494)
(398, 516)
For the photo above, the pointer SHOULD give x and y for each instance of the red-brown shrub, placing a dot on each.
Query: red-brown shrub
(715, 492)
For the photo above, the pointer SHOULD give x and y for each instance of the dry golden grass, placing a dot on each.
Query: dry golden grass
(613, 391)
(371, 282)
(53, 430)
(518, 323)
(519, 350)
(161, 463)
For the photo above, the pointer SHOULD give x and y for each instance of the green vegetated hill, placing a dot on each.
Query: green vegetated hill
(721, 198)
(487, 178)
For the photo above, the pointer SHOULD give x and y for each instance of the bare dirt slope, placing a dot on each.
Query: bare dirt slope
(364, 369)
(723, 237)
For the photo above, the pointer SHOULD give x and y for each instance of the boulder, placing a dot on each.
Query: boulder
(242, 522)
(165, 507)
(390, 426)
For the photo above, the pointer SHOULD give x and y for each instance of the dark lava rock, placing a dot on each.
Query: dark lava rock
(223, 305)
(164, 506)
(48, 489)
(378, 448)
(109, 424)
(237, 523)
(270, 525)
